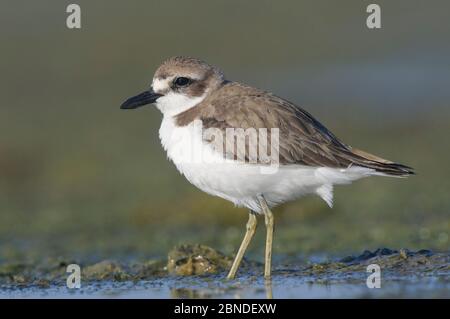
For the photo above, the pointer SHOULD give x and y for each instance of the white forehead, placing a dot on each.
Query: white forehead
(160, 85)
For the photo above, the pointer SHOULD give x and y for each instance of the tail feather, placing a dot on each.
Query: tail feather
(381, 165)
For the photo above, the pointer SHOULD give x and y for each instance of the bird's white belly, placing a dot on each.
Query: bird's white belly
(240, 183)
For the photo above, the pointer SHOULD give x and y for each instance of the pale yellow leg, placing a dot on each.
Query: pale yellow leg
(269, 236)
(251, 228)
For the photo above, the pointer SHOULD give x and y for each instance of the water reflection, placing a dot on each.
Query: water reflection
(269, 289)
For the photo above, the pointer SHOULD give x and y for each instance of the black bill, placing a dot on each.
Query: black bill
(147, 97)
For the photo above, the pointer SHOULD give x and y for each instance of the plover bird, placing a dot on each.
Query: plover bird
(309, 158)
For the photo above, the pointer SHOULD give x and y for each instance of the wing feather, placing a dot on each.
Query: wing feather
(302, 139)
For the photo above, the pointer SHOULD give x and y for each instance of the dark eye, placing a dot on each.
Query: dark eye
(181, 81)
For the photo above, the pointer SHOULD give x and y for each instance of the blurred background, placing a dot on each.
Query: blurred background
(83, 179)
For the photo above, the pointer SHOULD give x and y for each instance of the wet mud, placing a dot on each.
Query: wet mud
(198, 271)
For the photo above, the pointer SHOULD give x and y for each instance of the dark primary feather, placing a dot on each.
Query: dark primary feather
(302, 139)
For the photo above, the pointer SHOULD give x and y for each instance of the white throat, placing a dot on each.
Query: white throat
(172, 103)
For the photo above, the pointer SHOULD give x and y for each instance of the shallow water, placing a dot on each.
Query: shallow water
(246, 287)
